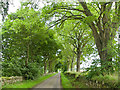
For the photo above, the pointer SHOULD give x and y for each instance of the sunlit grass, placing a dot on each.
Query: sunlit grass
(81, 83)
(28, 83)
(65, 82)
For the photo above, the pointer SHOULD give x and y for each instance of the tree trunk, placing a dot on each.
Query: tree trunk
(78, 62)
(50, 66)
(101, 40)
(103, 30)
(105, 58)
(68, 65)
(45, 66)
(103, 50)
(72, 63)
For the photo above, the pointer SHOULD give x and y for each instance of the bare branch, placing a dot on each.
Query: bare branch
(84, 43)
(71, 8)
(72, 17)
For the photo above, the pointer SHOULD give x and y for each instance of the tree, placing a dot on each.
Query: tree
(101, 17)
(22, 36)
(78, 35)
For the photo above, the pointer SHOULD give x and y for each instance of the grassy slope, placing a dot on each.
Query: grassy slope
(70, 82)
(78, 84)
(81, 83)
(112, 79)
(65, 82)
(28, 83)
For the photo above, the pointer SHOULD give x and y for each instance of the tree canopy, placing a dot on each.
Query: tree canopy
(60, 35)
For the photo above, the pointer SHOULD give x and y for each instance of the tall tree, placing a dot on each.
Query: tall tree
(78, 35)
(101, 17)
(23, 34)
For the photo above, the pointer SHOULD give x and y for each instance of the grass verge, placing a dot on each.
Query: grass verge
(79, 80)
(28, 83)
(81, 83)
(110, 80)
(65, 82)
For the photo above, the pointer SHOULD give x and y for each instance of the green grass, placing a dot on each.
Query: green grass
(81, 83)
(28, 83)
(65, 82)
(110, 80)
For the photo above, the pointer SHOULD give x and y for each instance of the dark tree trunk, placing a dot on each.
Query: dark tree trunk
(103, 50)
(50, 66)
(45, 66)
(103, 29)
(68, 65)
(72, 63)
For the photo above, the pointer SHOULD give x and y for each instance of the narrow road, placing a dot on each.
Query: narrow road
(52, 82)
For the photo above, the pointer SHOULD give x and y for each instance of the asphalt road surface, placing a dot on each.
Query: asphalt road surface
(52, 82)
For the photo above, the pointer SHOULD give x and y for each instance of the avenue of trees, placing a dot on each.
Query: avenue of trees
(59, 35)
(26, 46)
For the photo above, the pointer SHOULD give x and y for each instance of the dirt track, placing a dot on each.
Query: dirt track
(52, 82)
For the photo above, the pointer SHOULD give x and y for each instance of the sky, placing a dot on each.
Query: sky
(15, 6)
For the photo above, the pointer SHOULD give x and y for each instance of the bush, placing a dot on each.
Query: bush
(17, 68)
(11, 68)
(31, 71)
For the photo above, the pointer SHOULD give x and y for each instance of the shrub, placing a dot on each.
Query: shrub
(17, 68)
(11, 68)
(31, 71)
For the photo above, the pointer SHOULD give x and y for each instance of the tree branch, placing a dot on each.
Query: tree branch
(72, 17)
(71, 8)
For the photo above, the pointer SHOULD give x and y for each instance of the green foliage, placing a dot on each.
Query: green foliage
(96, 70)
(31, 71)
(26, 44)
(16, 68)
(111, 80)
(58, 66)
